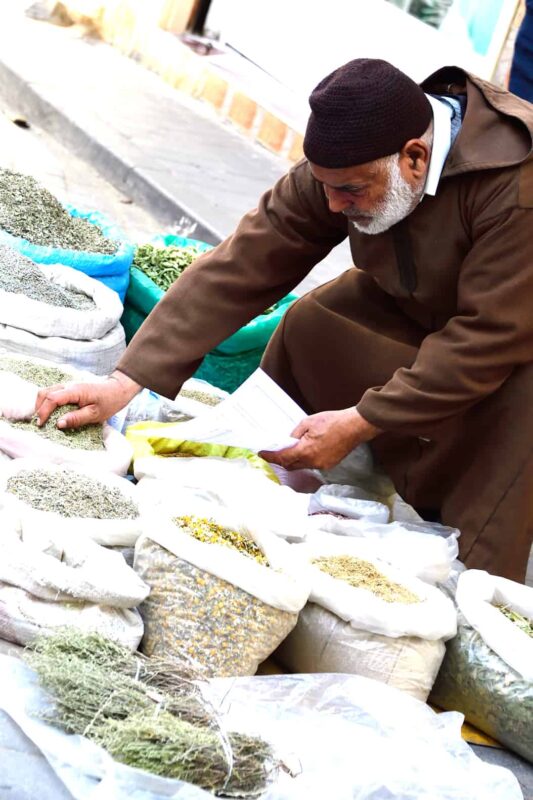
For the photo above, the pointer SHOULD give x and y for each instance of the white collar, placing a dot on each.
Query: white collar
(442, 127)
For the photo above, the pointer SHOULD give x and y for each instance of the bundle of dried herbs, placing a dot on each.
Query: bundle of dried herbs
(30, 211)
(525, 624)
(38, 374)
(71, 494)
(147, 713)
(206, 530)
(164, 265)
(363, 575)
(90, 437)
(201, 397)
(20, 275)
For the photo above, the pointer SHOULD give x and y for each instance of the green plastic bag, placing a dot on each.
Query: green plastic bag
(234, 359)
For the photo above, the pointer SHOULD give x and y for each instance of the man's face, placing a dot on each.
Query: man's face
(376, 195)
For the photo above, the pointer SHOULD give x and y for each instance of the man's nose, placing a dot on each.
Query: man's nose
(338, 200)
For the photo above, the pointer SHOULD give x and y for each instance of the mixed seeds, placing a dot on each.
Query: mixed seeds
(20, 275)
(363, 575)
(208, 531)
(525, 624)
(90, 437)
(201, 397)
(30, 211)
(193, 615)
(71, 494)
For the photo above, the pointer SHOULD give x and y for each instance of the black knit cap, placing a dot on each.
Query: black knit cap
(363, 111)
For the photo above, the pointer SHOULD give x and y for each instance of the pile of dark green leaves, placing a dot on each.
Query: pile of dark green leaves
(164, 265)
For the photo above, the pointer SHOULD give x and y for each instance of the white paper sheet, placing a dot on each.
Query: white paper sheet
(258, 415)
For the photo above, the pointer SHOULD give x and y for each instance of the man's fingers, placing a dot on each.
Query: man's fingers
(288, 458)
(301, 429)
(87, 415)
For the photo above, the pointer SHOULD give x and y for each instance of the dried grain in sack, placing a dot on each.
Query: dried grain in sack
(214, 605)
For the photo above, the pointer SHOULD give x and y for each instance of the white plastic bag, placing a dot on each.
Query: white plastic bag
(432, 618)
(315, 723)
(31, 521)
(63, 569)
(43, 319)
(349, 501)
(487, 673)
(322, 642)
(99, 356)
(232, 483)
(23, 617)
(193, 407)
(410, 547)
(224, 610)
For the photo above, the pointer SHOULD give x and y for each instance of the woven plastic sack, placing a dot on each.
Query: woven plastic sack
(322, 642)
(487, 673)
(23, 617)
(67, 568)
(99, 356)
(113, 269)
(32, 522)
(43, 319)
(17, 402)
(210, 603)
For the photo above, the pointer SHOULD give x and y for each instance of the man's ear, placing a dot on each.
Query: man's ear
(414, 159)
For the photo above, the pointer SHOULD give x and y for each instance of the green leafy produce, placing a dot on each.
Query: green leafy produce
(164, 265)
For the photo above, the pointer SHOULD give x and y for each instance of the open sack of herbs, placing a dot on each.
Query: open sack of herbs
(97, 446)
(148, 713)
(54, 300)
(70, 500)
(366, 617)
(222, 594)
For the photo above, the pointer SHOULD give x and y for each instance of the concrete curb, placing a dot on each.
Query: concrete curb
(26, 99)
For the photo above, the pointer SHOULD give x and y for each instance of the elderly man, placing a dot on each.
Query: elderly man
(426, 348)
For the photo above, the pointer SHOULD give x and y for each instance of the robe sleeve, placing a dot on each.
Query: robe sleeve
(271, 251)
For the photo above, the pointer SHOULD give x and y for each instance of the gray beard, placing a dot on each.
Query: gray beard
(400, 199)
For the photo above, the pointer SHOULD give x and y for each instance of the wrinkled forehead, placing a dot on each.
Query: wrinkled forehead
(348, 176)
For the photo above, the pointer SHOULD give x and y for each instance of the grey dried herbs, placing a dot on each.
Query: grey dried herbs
(20, 275)
(363, 575)
(71, 494)
(30, 211)
(201, 397)
(89, 437)
(38, 374)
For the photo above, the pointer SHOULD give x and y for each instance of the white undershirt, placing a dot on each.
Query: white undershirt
(442, 127)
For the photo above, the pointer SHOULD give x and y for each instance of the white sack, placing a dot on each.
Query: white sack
(477, 592)
(99, 356)
(433, 618)
(194, 408)
(23, 617)
(75, 568)
(43, 319)
(409, 547)
(350, 501)
(31, 522)
(229, 482)
(322, 642)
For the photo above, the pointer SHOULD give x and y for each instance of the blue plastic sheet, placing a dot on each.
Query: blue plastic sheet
(111, 269)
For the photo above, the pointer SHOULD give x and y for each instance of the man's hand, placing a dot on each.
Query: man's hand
(97, 401)
(325, 439)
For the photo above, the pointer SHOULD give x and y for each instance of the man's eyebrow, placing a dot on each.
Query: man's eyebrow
(348, 187)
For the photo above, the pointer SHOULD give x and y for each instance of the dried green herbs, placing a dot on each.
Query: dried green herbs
(164, 265)
(147, 713)
(201, 397)
(29, 210)
(71, 494)
(38, 374)
(474, 680)
(525, 624)
(206, 530)
(90, 437)
(363, 575)
(20, 275)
